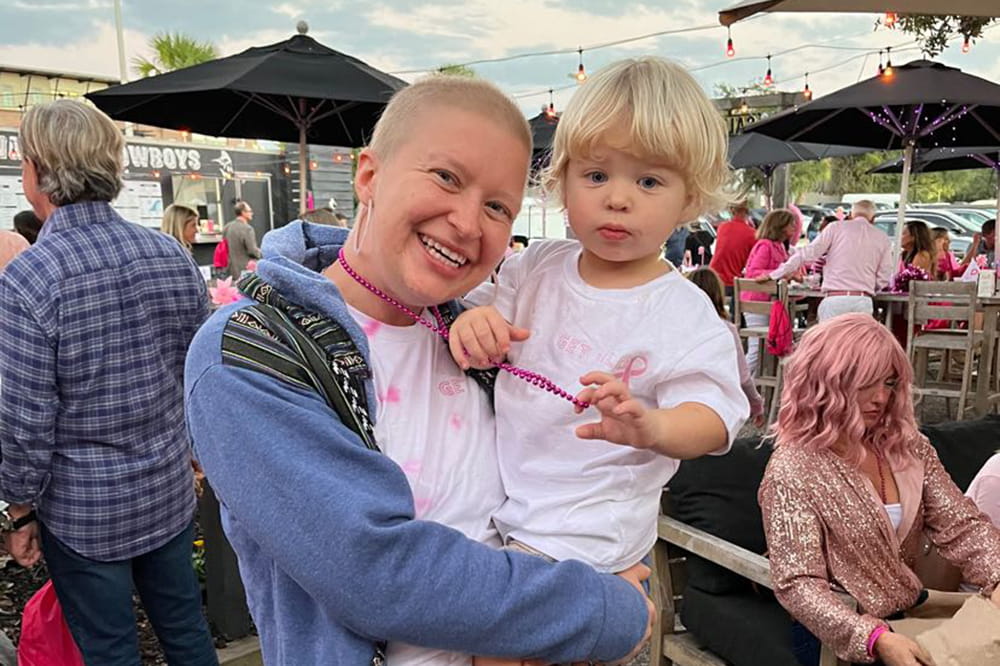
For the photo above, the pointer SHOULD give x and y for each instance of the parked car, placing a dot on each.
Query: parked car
(975, 215)
(959, 226)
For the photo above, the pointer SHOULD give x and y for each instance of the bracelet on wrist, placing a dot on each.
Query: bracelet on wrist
(874, 636)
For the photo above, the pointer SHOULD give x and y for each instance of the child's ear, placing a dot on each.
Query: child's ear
(692, 208)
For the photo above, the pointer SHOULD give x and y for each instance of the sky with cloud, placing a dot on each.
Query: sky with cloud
(406, 35)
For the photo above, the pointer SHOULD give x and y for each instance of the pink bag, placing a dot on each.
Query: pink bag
(45, 638)
(779, 331)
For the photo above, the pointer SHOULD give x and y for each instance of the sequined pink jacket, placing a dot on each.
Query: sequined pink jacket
(826, 528)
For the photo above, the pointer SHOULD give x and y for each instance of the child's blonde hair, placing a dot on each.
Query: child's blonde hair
(445, 91)
(666, 117)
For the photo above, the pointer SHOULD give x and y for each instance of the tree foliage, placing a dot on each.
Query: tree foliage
(933, 32)
(457, 70)
(173, 51)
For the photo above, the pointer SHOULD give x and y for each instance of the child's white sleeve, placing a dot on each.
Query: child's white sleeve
(502, 293)
(708, 374)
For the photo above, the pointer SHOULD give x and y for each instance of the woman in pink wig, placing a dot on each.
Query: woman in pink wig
(849, 490)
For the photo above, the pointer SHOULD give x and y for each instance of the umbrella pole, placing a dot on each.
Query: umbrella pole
(303, 173)
(904, 192)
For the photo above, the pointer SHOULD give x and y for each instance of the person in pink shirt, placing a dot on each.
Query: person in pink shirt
(948, 267)
(985, 489)
(11, 245)
(732, 247)
(767, 254)
(859, 262)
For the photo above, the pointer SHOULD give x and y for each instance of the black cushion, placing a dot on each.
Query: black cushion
(743, 629)
(718, 494)
(964, 446)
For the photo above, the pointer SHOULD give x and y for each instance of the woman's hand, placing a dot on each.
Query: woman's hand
(898, 650)
(481, 337)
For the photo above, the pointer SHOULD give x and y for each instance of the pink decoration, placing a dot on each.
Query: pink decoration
(455, 422)
(390, 396)
(371, 328)
(224, 292)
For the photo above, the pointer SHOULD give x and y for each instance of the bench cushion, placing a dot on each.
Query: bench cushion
(965, 446)
(743, 629)
(718, 494)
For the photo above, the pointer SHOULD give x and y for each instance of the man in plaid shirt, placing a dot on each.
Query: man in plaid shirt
(95, 321)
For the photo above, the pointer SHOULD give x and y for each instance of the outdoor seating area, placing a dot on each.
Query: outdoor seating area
(495, 334)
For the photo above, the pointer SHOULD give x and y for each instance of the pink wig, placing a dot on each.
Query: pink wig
(819, 400)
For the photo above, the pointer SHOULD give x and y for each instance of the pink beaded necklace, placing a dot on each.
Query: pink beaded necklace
(441, 328)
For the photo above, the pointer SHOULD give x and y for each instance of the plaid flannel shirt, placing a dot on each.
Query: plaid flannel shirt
(95, 322)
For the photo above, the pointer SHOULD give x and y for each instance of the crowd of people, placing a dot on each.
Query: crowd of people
(416, 462)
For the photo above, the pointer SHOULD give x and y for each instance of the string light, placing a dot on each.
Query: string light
(888, 63)
(807, 92)
(581, 73)
(768, 79)
(313, 165)
(550, 111)
(730, 51)
(966, 45)
(881, 69)
(890, 19)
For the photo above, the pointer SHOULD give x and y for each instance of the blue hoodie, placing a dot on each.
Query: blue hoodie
(329, 550)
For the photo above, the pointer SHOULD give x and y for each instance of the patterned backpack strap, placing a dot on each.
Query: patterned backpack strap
(486, 379)
(307, 349)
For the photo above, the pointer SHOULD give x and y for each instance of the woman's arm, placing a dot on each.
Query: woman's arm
(962, 534)
(796, 548)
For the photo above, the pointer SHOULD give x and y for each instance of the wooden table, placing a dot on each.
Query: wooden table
(989, 306)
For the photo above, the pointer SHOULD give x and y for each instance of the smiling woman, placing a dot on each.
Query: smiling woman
(398, 515)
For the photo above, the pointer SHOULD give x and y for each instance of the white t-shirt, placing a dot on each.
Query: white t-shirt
(583, 499)
(436, 423)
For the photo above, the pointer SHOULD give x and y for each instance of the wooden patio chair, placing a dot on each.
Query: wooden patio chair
(954, 303)
(769, 367)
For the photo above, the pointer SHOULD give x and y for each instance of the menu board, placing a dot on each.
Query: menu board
(140, 201)
(12, 200)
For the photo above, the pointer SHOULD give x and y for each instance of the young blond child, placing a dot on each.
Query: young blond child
(639, 150)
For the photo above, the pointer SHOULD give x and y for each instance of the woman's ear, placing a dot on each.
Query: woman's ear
(365, 175)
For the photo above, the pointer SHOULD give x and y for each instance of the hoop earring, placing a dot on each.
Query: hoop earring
(361, 228)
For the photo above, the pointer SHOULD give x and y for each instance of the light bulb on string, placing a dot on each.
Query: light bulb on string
(881, 69)
(730, 51)
(806, 91)
(890, 19)
(887, 73)
(550, 111)
(581, 73)
(768, 79)
(966, 45)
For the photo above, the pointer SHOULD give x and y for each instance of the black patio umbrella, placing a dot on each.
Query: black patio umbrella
(543, 130)
(766, 154)
(297, 90)
(945, 159)
(748, 8)
(948, 159)
(920, 105)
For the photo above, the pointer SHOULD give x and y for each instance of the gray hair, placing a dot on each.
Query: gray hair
(76, 150)
(863, 208)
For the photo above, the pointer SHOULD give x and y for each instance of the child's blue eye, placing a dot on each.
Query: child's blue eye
(648, 183)
(597, 177)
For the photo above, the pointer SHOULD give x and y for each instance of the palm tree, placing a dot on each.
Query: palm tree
(173, 51)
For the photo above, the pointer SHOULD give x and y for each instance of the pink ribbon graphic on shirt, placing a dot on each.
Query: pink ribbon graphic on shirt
(629, 367)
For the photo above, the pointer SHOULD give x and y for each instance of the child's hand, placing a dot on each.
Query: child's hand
(624, 420)
(480, 338)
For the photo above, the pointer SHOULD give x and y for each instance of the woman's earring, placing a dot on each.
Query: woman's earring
(361, 228)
